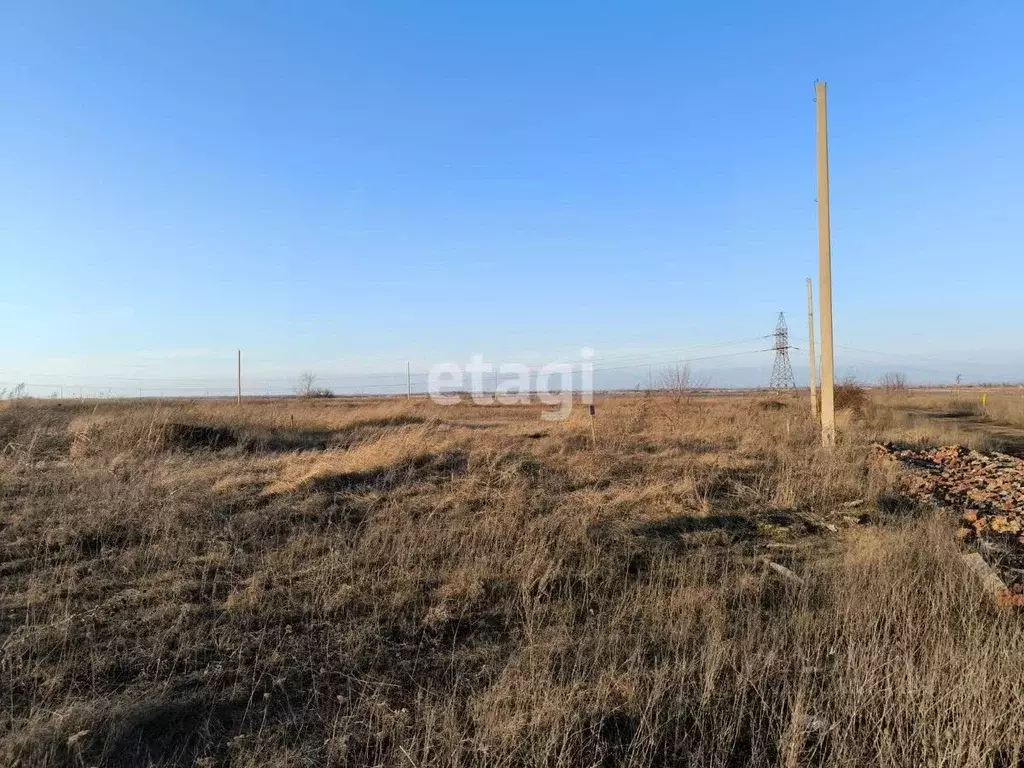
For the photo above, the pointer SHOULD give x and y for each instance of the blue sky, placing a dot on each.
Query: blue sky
(347, 186)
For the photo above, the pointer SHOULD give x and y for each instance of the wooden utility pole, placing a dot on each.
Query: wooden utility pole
(828, 413)
(810, 346)
(239, 399)
(408, 378)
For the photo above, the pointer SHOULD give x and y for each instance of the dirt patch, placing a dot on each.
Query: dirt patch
(1005, 438)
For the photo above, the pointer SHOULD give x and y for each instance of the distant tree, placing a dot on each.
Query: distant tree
(894, 383)
(14, 394)
(679, 388)
(307, 386)
(680, 384)
(307, 383)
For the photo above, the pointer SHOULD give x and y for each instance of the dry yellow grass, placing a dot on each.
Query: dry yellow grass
(396, 583)
(389, 452)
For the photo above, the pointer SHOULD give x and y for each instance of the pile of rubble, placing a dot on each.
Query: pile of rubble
(985, 489)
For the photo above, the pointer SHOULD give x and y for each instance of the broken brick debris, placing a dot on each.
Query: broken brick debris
(985, 489)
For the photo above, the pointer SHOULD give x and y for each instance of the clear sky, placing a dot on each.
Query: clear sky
(347, 186)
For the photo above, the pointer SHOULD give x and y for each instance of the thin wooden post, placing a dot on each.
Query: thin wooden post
(828, 414)
(239, 397)
(810, 346)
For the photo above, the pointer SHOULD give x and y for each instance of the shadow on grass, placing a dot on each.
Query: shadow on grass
(176, 728)
(736, 527)
(289, 440)
(898, 505)
(698, 446)
(197, 437)
(425, 468)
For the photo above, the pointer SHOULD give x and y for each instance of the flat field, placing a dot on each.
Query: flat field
(399, 583)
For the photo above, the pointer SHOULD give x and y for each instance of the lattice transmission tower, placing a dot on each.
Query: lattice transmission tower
(782, 370)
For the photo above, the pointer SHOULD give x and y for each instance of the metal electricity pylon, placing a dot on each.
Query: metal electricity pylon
(782, 371)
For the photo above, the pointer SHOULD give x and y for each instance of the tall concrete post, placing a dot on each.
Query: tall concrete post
(810, 345)
(828, 414)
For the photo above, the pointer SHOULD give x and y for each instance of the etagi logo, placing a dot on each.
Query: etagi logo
(515, 383)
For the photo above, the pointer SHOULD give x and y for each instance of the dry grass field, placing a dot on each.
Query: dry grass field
(397, 583)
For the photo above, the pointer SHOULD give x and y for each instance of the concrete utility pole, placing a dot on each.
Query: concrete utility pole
(828, 413)
(408, 378)
(239, 399)
(810, 345)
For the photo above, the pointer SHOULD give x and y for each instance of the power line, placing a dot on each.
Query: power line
(209, 386)
(199, 386)
(202, 382)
